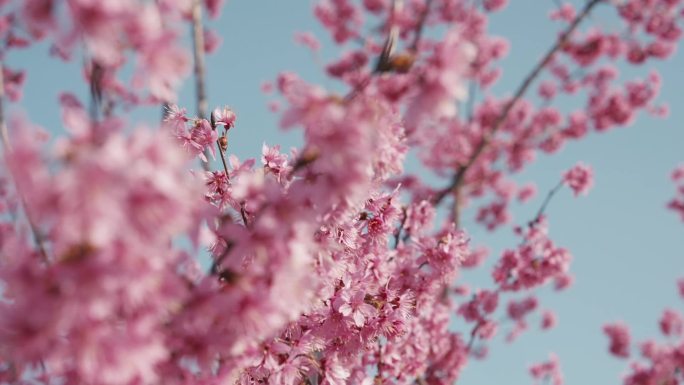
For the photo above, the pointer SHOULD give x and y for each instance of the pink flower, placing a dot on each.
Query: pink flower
(678, 174)
(200, 137)
(548, 320)
(308, 40)
(494, 215)
(671, 323)
(213, 7)
(175, 117)
(212, 41)
(547, 370)
(341, 18)
(224, 116)
(547, 90)
(441, 84)
(494, 5)
(474, 258)
(273, 160)
(563, 281)
(579, 178)
(354, 306)
(517, 310)
(619, 339)
(375, 6)
(335, 372)
(527, 192)
(566, 13)
(162, 66)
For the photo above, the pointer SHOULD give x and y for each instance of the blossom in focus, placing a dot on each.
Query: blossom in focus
(224, 116)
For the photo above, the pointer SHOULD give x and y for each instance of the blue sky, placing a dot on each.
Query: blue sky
(627, 247)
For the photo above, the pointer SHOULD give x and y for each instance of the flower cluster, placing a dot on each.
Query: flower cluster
(661, 362)
(328, 264)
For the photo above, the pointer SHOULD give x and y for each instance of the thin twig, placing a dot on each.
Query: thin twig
(7, 148)
(473, 335)
(487, 138)
(420, 27)
(397, 235)
(243, 214)
(223, 159)
(96, 74)
(212, 121)
(546, 202)
(456, 209)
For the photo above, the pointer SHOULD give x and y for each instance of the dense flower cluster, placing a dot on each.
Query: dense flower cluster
(328, 264)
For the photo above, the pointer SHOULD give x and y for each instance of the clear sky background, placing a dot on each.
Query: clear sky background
(627, 247)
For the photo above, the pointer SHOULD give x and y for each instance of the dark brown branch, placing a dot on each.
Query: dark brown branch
(458, 178)
(96, 75)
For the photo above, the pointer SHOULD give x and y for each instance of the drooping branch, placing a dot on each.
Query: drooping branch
(459, 176)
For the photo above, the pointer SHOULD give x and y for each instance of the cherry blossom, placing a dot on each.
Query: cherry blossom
(580, 178)
(335, 262)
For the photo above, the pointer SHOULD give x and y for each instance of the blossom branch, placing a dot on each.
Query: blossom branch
(199, 61)
(220, 146)
(200, 74)
(459, 177)
(200, 68)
